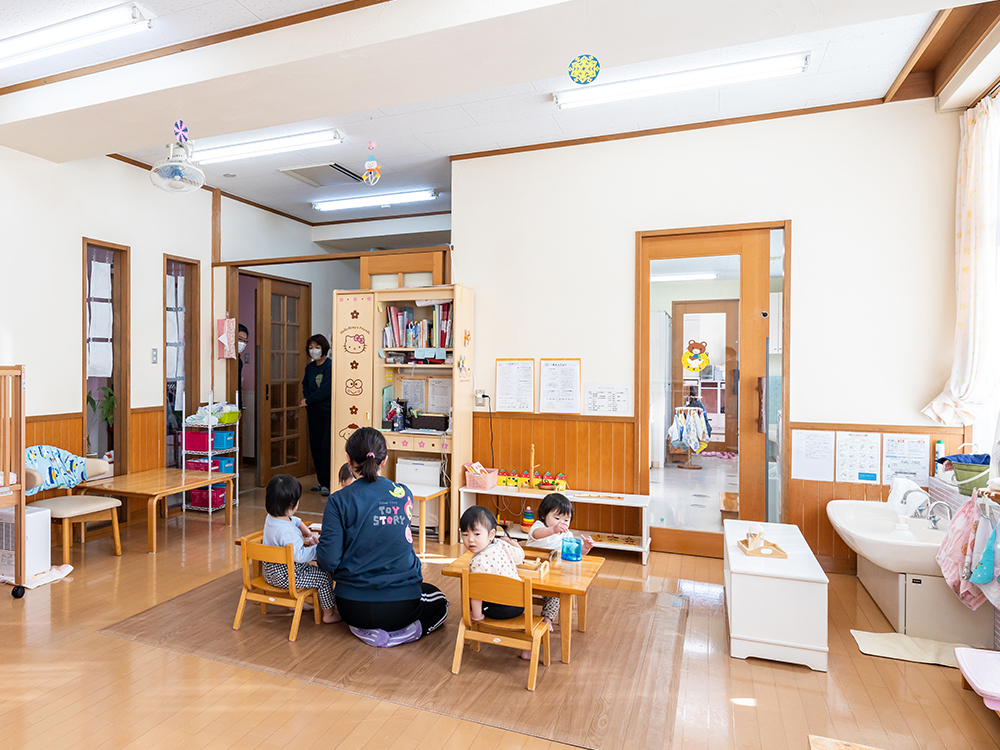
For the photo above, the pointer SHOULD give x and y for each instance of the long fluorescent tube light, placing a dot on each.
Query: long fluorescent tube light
(268, 146)
(685, 277)
(83, 31)
(387, 199)
(685, 80)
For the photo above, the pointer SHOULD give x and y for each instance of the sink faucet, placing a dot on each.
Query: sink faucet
(932, 520)
(922, 508)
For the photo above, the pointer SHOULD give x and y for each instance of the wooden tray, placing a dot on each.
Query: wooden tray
(775, 550)
(536, 568)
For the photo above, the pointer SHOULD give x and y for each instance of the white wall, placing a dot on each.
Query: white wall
(248, 232)
(47, 210)
(547, 241)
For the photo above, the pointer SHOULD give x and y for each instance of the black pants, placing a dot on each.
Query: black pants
(319, 442)
(431, 609)
(501, 611)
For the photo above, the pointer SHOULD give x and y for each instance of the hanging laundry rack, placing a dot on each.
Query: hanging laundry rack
(685, 413)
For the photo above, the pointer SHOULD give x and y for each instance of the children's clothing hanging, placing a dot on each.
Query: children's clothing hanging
(689, 429)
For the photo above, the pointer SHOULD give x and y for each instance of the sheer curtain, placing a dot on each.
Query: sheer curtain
(974, 372)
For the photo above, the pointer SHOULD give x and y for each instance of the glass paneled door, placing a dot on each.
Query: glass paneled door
(284, 327)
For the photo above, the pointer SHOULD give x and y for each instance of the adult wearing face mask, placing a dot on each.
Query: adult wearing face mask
(318, 403)
(242, 337)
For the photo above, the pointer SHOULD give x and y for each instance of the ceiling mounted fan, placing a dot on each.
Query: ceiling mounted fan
(178, 173)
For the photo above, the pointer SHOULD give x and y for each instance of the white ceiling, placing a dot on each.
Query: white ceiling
(175, 21)
(415, 140)
(430, 92)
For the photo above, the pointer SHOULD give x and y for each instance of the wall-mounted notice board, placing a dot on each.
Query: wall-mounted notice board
(515, 385)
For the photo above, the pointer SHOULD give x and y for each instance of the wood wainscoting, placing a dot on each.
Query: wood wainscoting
(595, 453)
(148, 441)
(60, 430)
(806, 503)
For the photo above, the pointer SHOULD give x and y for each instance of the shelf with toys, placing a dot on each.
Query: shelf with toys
(513, 504)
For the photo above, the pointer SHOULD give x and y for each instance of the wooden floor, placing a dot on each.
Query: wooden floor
(63, 685)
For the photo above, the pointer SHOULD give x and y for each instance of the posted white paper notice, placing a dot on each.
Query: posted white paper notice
(559, 386)
(906, 456)
(515, 385)
(439, 395)
(608, 399)
(813, 455)
(859, 457)
(413, 392)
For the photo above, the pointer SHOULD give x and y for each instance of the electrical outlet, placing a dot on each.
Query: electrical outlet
(153, 358)
(480, 398)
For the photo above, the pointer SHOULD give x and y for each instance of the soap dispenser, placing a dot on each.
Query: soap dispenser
(902, 531)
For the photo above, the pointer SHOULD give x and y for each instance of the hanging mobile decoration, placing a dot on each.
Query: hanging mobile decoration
(372, 172)
(180, 131)
(583, 69)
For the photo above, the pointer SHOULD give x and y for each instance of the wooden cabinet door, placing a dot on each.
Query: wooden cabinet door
(284, 322)
(354, 348)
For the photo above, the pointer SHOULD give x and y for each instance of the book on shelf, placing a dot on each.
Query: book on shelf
(402, 330)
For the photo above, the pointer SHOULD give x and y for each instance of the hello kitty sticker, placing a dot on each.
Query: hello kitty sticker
(354, 344)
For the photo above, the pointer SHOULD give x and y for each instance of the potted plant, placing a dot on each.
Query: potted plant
(104, 407)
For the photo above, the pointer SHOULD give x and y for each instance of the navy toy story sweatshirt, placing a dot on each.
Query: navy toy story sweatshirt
(366, 542)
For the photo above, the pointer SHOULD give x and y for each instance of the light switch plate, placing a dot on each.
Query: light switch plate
(153, 357)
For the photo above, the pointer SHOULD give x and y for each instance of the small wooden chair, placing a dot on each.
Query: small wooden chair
(524, 632)
(256, 589)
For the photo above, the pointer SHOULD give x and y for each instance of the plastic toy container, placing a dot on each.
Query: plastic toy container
(198, 441)
(223, 463)
(199, 498)
(481, 481)
(572, 549)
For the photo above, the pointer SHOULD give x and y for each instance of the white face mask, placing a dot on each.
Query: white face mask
(315, 353)
(241, 346)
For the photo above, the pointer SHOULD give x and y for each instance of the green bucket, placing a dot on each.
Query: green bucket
(979, 474)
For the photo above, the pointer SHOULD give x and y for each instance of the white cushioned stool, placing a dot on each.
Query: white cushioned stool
(80, 509)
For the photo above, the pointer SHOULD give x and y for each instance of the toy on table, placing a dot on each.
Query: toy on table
(527, 519)
(502, 478)
(524, 480)
(561, 484)
(755, 545)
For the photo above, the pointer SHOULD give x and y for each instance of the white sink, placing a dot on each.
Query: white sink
(869, 528)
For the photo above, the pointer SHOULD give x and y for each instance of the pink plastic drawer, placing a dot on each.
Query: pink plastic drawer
(199, 498)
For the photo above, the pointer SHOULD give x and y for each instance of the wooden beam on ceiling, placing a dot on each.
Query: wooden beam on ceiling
(949, 41)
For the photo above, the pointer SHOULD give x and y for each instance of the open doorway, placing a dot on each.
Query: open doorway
(181, 349)
(711, 381)
(106, 352)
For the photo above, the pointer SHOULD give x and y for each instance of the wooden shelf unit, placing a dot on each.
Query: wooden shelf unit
(360, 373)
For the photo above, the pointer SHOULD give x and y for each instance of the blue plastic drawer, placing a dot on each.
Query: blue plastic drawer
(222, 439)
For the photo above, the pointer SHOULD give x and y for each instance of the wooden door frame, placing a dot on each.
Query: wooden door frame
(723, 306)
(710, 543)
(192, 331)
(121, 331)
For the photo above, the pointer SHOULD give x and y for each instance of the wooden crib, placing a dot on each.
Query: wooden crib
(12, 460)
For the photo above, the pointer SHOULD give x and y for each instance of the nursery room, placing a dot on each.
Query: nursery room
(522, 375)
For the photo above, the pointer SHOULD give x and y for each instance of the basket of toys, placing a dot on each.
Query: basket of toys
(479, 478)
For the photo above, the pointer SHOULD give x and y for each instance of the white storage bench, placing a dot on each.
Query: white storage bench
(776, 608)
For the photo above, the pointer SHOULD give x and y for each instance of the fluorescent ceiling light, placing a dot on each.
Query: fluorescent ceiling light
(387, 199)
(685, 80)
(685, 277)
(83, 31)
(268, 146)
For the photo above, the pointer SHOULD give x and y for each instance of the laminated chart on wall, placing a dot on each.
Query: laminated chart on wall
(559, 386)
(612, 400)
(906, 456)
(515, 385)
(859, 457)
(813, 455)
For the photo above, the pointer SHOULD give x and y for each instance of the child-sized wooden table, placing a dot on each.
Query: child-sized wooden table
(565, 580)
(156, 484)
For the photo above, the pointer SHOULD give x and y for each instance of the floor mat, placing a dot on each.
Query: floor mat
(907, 648)
(619, 691)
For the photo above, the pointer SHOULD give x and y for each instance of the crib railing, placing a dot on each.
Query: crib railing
(12, 384)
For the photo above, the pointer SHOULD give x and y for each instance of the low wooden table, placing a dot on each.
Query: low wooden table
(565, 580)
(422, 493)
(156, 484)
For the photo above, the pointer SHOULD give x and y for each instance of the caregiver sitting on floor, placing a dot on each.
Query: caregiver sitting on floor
(367, 545)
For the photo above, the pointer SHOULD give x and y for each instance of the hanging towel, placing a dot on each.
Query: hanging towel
(982, 571)
(951, 556)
